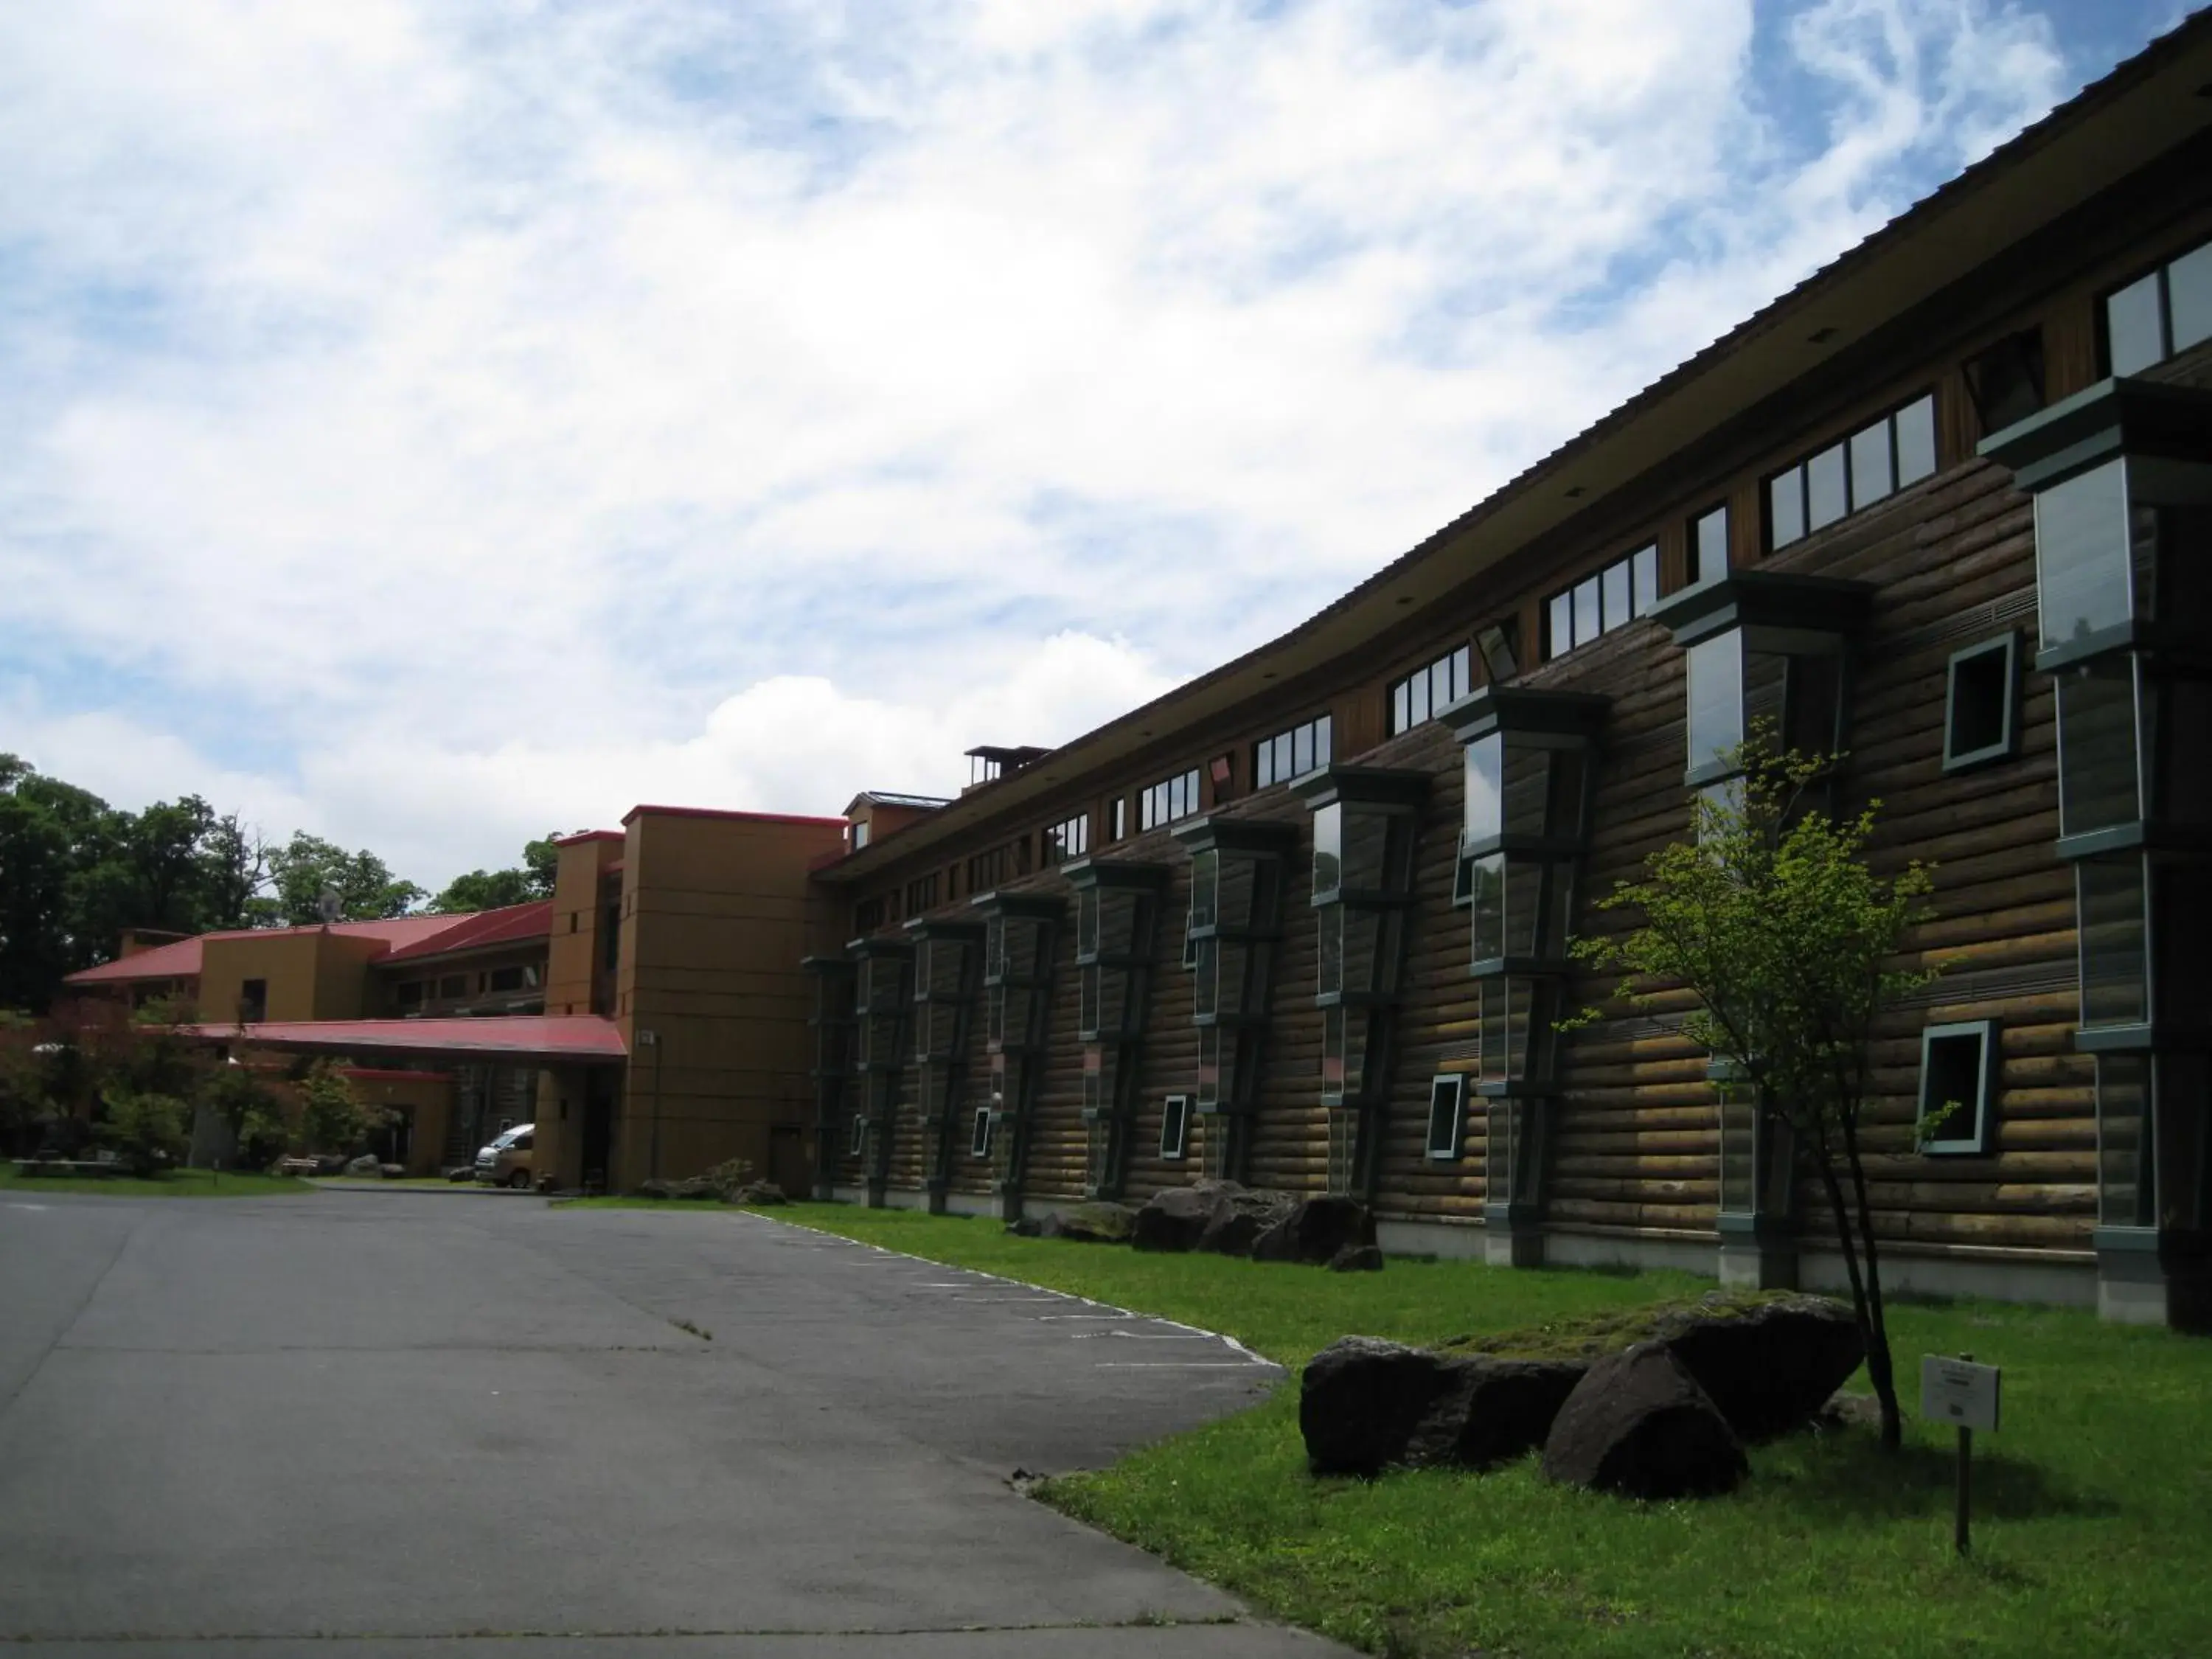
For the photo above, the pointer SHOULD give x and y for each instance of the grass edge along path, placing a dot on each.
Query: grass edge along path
(2092, 1505)
(174, 1184)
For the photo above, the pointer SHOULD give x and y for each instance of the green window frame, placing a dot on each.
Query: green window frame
(1959, 1062)
(1981, 704)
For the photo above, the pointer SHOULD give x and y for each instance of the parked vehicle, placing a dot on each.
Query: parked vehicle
(507, 1161)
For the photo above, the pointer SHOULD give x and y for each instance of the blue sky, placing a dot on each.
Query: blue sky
(424, 423)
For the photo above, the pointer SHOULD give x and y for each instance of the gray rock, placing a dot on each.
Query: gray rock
(1357, 1259)
(1771, 1367)
(1637, 1424)
(755, 1192)
(1175, 1218)
(367, 1164)
(1366, 1405)
(392, 1172)
(1314, 1230)
(1239, 1216)
(1026, 1226)
(1092, 1223)
(652, 1189)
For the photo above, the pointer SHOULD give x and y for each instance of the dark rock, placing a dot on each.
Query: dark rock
(652, 1189)
(1362, 1399)
(367, 1164)
(1770, 1366)
(1357, 1259)
(331, 1163)
(1239, 1216)
(392, 1172)
(755, 1192)
(1639, 1424)
(1365, 1404)
(1092, 1223)
(1314, 1230)
(459, 1173)
(1175, 1218)
(696, 1189)
(1026, 1226)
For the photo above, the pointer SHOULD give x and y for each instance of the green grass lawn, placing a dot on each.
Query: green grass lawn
(177, 1183)
(2093, 1506)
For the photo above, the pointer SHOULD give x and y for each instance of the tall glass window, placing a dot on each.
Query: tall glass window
(1716, 698)
(2081, 555)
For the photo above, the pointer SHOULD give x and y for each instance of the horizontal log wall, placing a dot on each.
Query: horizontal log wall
(1635, 1136)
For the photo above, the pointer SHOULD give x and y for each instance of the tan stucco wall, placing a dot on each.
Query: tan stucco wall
(716, 918)
(311, 974)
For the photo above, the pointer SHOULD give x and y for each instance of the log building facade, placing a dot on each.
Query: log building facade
(1304, 922)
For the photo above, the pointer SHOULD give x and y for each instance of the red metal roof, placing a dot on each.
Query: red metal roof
(178, 961)
(510, 924)
(727, 812)
(424, 934)
(546, 1037)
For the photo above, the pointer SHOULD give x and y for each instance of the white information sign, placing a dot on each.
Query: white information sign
(1958, 1392)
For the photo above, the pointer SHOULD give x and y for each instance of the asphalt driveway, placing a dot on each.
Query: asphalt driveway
(379, 1425)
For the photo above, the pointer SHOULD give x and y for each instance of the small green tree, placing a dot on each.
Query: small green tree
(149, 1131)
(1774, 920)
(333, 1118)
(248, 1107)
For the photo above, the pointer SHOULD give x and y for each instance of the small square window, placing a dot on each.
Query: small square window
(1916, 440)
(1499, 661)
(2189, 297)
(979, 1138)
(1447, 1123)
(1709, 546)
(2006, 381)
(1958, 1087)
(1980, 703)
(1562, 629)
(1785, 507)
(1588, 626)
(1462, 882)
(1827, 497)
(2134, 334)
(1175, 1123)
(1617, 608)
(1643, 576)
(1871, 474)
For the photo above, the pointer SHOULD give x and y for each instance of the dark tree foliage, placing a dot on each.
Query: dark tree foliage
(488, 889)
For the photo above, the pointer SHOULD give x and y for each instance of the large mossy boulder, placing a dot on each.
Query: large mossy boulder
(1240, 1216)
(1769, 1366)
(1174, 1218)
(1313, 1230)
(1091, 1224)
(1366, 1405)
(1768, 1360)
(1637, 1424)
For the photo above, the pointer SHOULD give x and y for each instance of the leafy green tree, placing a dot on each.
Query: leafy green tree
(306, 866)
(234, 863)
(248, 1107)
(149, 1131)
(23, 1080)
(333, 1117)
(488, 889)
(1774, 920)
(44, 827)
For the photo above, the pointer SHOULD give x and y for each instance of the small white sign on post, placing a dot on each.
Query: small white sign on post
(1958, 1392)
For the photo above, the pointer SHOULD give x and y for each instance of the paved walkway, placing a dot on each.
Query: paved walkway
(375, 1426)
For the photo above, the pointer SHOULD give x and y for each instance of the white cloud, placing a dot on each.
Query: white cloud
(508, 411)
